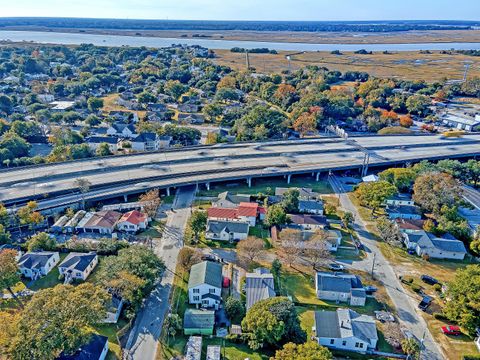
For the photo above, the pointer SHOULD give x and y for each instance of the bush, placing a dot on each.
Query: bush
(407, 279)
(439, 316)
(437, 287)
(471, 357)
(394, 130)
(416, 288)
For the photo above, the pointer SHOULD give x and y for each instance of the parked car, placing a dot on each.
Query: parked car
(370, 289)
(451, 330)
(429, 280)
(211, 257)
(336, 267)
(425, 303)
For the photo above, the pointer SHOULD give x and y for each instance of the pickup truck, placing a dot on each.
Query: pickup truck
(425, 303)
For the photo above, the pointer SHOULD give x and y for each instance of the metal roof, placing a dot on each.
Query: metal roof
(206, 272)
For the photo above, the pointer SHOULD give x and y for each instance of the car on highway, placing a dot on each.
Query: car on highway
(451, 330)
(336, 267)
(425, 303)
(429, 280)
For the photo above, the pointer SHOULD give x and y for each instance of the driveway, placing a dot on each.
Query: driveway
(143, 338)
(384, 272)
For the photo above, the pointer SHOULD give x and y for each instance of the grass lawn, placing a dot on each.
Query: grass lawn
(307, 319)
(215, 244)
(110, 331)
(154, 230)
(168, 199)
(47, 281)
(267, 185)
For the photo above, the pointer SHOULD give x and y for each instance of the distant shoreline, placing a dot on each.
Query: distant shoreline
(353, 38)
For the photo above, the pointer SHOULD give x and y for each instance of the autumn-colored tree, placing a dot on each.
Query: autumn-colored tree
(227, 82)
(41, 241)
(188, 256)
(440, 95)
(316, 250)
(391, 116)
(57, 320)
(406, 121)
(251, 248)
(8, 330)
(291, 240)
(28, 216)
(9, 273)
(305, 123)
(151, 201)
(284, 90)
(433, 190)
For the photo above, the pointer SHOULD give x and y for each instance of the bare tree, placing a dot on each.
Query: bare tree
(389, 232)
(84, 187)
(151, 201)
(316, 250)
(251, 248)
(291, 245)
(189, 256)
(393, 334)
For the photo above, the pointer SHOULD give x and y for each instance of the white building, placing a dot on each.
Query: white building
(340, 287)
(34, 265)
(78, 266)
(205, 284)
(400, 200)
(94, 142)
(226, 230)
(346, 330)
(133, 221)
(424, 243)
(122, 130)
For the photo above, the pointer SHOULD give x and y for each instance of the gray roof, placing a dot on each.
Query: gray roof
(198, 319)
(449, 245)
(303, 192)
(345, 323)
(427, 240)
(338, 282)
(217, 226)
(310, 205)
(78, 261)
(102, 139)
(308, 219)
(35, 260)
(237, 199)
(258, 286)
(145, 137)
(206, 272)
(404, 209)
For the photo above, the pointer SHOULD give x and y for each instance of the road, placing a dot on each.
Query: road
(143, 338)
(472, 196)
(405, 305)
(119, 175)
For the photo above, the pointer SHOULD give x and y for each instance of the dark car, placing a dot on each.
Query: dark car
(425, 303)
(429, 280)
(211, 257)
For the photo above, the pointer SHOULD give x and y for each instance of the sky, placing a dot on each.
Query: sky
(320, 10)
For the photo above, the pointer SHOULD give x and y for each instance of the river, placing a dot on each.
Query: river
(157, 42)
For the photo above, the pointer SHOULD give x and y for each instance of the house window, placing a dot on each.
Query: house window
(196, 291)
(357, 345)
(211, 291)
(361, 345)
(196, 298)
(332, 341)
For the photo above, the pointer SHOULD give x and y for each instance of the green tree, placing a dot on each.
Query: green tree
(275, 215)
(272, 322)
(290, 200)
(57, 320)
(411, 347)
(402, 178)
(103, 150)
(175, 88)
(41, 241)
(172, 324)
(9, 272)
(94, 104)
(463, 294)
(5, 236)
(261, 122)
(347, 219)
(198, 222)
(418, 104)
(373, 194)
(212, 111)
(311, 350)
(234, 309)
(146, 97)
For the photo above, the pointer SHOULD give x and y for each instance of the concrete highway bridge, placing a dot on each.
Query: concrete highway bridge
(54, 185)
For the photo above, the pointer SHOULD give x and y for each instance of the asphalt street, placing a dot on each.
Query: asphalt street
(143, 338)
(405, 305)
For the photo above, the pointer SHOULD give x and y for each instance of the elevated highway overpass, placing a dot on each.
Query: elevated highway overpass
(54, 185)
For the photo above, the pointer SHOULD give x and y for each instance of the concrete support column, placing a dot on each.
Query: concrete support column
(207, 185)
(249, 181)
(125, 198)
(289, 177)
(317, 176)
(168, 191)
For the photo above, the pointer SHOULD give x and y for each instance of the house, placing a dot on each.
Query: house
(409, 225)
(226, 230)
(400, 200)
(147, 142)
(95, 141)
(34, 265)
(124, 116)
(60, 106)
(311, 206)
(59, 224)
(259, 285)
(164, 142)
(213, 352)
(193, 349)
(133, 221)
(205, 284)
(403, 212)
(463, 122)
(223, 214)
(248, 212)
(198, 322)
(102, 222)
(308, 222)
(370, 178)
(191, 118)
(188, 108)
(95, 349)
(304, 193)
(340, 288)
(424, 243)
(78, 266)
(114, 309)
(334, 239)
(345, 329)
(229, 200)
(71, 224)
(122, 130)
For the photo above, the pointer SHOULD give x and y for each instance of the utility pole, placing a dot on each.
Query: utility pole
(373, 263)
(247, 60)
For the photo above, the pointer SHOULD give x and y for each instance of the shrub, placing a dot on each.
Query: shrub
(407, 279)
(394, 130)
(439, 316)
(471, 357)
(416, 288)
(437, 287)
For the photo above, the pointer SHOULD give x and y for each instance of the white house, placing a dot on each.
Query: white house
(114, 309)
(309, 222)
(248, 212)
(94, 142)
(122, 130)
(400, 200)
(37, 264)
(205, 284)
(403, 212)
(334, 239)
(424, 243)
(149, 142)
(226, 230)
(311, 206)
(78, 266)
(340, 287)
(345, 329)
(133, 221)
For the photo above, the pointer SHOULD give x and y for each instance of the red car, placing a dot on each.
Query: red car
(451, 330)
